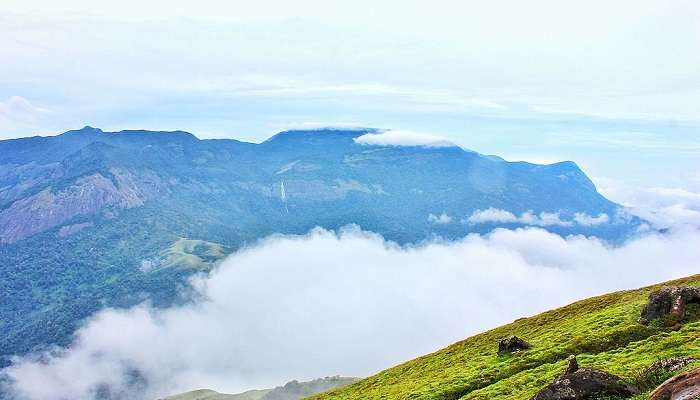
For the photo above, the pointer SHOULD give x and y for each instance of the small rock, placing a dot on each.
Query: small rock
(584, 383)
(670, 364)
(682, 387)
(669, 300)
(512, 344)
(573, 365)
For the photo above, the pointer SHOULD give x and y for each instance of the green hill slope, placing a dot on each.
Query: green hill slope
(603, 331)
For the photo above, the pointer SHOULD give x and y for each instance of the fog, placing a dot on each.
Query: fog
(348, 303)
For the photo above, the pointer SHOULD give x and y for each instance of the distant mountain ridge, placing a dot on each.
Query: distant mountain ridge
(293, 390)
(91, 219)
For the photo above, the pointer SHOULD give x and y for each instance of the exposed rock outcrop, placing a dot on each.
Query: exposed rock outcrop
(85, 196)
(682, 387)
(669, 300)
(572, 365)
(585, 383)
(670, 364)
(512, 344)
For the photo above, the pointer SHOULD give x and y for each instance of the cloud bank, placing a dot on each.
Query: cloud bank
(349, 303)
(398, 137)
(663, 207)
(498, 216)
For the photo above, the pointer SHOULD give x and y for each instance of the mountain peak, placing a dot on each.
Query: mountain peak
(154, 135)
(315, 136)
(86, 130)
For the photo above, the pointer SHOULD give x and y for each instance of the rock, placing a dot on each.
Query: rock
(85, 196)
(670, 364)
(573, 365)
(682, 387)
(512, 344)
(669, 300)
(584, 383)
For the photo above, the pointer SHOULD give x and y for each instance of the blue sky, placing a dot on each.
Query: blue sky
(614, 87)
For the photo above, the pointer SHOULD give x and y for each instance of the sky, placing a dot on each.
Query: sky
(613, 86)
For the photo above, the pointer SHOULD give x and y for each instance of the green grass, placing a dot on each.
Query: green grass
(194, 254)
(602, 331)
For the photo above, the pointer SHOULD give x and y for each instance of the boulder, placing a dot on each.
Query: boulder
(512, 344)
(669, 300)
(682, 387)
(585, 383)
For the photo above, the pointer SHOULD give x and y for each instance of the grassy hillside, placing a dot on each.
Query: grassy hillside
(194, 254)
(603, 331)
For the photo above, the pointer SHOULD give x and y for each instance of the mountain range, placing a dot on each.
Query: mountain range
(293, 390)
(92, 219)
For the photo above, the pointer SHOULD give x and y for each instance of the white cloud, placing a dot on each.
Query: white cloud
(587, 220)
(16, 107)
(442, 219)
(399, 137)
(663, 207)
(494, 215)
(544, 219)
(348, 303)
(17, 114)
(534, 159)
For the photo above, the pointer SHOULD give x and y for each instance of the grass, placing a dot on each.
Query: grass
(193, 253)
(602, 331)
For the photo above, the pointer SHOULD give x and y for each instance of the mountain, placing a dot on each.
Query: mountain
(293, 390)
(603, 332)
(92, 219)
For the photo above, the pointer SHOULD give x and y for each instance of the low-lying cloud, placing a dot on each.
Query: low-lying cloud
(399, 137)
(663, 207)
(498, 216)
(441, 219)
(349, 303)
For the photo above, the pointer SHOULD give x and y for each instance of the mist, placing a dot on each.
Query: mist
(347, 302)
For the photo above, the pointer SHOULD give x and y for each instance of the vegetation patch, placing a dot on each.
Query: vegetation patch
(192, 254)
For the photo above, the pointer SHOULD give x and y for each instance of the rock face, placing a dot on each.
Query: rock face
(85, 196)
(512, 344)
(682, 387)
(669, 300)
(584, 383)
